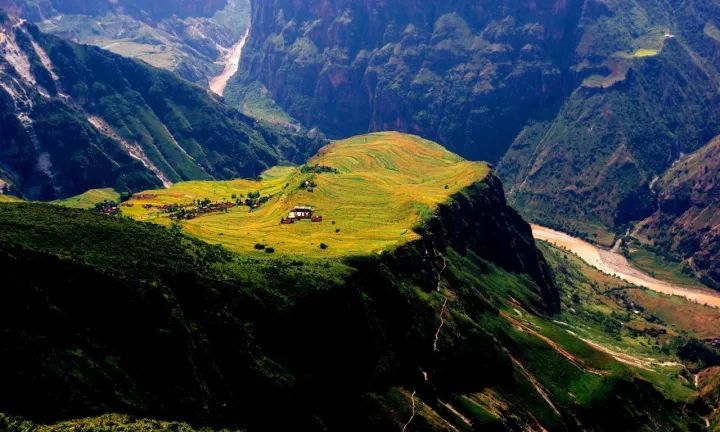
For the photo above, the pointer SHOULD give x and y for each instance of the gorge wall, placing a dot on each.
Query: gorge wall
(443, 70)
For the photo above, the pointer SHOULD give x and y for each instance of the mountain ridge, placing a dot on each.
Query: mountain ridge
(140, 126)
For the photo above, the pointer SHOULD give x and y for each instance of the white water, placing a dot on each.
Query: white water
(232, 64)
(617, 265)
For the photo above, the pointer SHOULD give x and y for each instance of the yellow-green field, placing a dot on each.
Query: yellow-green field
(8, 198)
(645, 52)
(88, 199)
(385, 184)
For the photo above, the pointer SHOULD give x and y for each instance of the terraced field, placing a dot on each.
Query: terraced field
(374, 190)
(88, 199)
(8, 198)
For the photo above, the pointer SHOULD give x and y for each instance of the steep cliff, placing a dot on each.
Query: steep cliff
(687, 220)
(443, 70)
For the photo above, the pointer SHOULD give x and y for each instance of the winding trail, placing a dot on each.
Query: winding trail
(412, 415)
(232, 64)
(444, 306)
(536, 384)
(555, 346)
(442, 323)
(617, 265)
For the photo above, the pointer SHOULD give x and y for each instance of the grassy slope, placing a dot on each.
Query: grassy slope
(604, 310)
(387, 183)
(660, 267)
(105, 423)
(471, 368)
(88, 199)
(8, 198)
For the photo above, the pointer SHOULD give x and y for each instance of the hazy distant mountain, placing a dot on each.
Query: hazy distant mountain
(77, 117)
(188, 37)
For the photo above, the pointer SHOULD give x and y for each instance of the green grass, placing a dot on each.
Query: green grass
(88, 199)
(105, 423)
(9, 198)
(591, 300)
(645, 52)
(660, 267)
(386, 184)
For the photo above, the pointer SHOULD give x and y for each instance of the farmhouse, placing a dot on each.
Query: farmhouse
(300, 213)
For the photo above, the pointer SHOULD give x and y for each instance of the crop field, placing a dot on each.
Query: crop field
(371, 192)
(8, 198)
(88, 199)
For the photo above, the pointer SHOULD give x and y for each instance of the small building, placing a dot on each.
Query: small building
(300, 212)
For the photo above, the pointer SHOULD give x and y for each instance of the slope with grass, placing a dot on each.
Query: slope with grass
(374, 190)
(76, 117)
(452, 327)
(89, 199)
(687, 220)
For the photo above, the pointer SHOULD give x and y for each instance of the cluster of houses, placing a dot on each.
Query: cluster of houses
(300, 213)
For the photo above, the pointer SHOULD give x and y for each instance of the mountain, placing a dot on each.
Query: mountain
(75, 117)
(593, 164)
(686, 221)
(583, 103)
(190, 38)
(466, 74)
(444, 332)
(155, 10)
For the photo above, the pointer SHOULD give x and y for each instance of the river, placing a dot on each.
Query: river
(616, 264)
(232, 64)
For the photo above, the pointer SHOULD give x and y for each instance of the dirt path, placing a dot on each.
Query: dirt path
(442, 323)
(412, 414)
(617, 265)
(536, 384)
(555, 346)
(232, 64)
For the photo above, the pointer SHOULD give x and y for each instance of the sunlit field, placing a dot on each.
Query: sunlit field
(373, 190)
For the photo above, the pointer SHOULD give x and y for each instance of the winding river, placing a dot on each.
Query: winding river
(617, 265)
(232, 64)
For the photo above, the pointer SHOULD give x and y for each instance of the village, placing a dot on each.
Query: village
(205, 206)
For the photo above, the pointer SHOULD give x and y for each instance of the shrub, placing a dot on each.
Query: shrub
(269, 250)
(259, 246)
(323, 246)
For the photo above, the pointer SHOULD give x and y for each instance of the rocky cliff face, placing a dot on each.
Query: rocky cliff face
(467, 74)
(479, 222)
(688, 217)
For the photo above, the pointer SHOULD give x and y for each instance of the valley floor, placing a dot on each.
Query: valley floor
(617, 265)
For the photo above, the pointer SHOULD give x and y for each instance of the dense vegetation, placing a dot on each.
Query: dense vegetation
(158, 325)
(687, 220)
(465, 75)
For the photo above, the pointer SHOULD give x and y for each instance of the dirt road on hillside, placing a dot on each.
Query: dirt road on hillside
(617, 265)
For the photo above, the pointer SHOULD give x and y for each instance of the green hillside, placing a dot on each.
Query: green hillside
(160, 325)
(89, 199)
(370, 190)
(81, 117)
